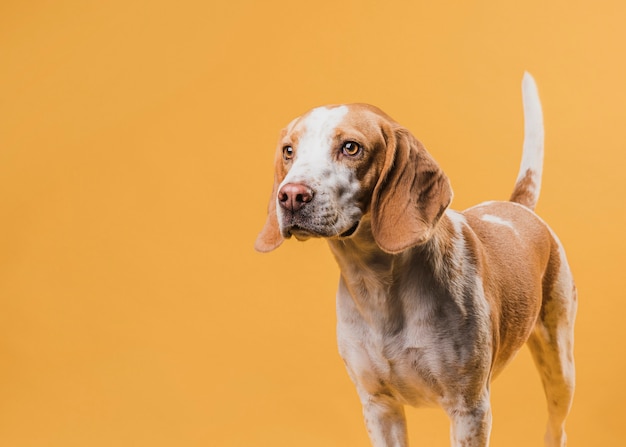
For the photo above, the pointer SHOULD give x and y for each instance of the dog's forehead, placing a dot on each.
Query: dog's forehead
(318, 123)
(322, 123)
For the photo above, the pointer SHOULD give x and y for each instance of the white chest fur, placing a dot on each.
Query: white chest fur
(384, 360)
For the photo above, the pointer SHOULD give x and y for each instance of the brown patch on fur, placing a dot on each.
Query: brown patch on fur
(513, 269)
(525, 190)
(410, 197)
(375, 129)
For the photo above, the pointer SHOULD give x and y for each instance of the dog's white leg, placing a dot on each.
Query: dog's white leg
(385, 421)
(552, 348)
(471, 427)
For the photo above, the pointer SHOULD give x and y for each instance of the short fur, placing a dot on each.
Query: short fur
(432, 303)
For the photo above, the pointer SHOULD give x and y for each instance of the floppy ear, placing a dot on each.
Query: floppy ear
(270, 238)
(411, 194)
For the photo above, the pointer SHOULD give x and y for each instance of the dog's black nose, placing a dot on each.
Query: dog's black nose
(293, 196)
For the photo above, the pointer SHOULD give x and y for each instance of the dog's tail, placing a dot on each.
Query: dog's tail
(528, 183)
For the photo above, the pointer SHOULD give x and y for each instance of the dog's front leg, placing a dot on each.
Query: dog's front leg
(471, 427)
(385, 421)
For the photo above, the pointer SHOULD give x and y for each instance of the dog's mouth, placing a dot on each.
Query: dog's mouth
(301, 233)
(350, 231)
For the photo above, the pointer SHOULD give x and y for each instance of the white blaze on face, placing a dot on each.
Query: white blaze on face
(314, 149)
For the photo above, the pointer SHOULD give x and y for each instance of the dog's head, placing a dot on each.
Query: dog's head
(338, 165)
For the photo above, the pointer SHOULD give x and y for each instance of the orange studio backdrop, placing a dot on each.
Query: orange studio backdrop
(136, 148)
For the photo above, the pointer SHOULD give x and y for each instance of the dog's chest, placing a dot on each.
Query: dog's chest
(409, 372)
(405, 359)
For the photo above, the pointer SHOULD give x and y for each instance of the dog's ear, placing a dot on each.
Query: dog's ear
(270, 238)
(411, 194)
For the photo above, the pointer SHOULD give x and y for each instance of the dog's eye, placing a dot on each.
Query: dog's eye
(287, 152)
(350, 148)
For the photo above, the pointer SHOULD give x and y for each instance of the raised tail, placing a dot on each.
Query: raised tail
(528, 183)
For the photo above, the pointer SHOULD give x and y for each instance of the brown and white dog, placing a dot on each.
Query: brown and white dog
(432, 303)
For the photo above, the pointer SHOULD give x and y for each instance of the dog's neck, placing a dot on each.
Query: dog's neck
(361, 255)
(371, 275)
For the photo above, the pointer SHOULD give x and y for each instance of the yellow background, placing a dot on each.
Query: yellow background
(136, 147)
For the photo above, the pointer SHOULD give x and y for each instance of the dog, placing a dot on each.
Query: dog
(432, 303)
